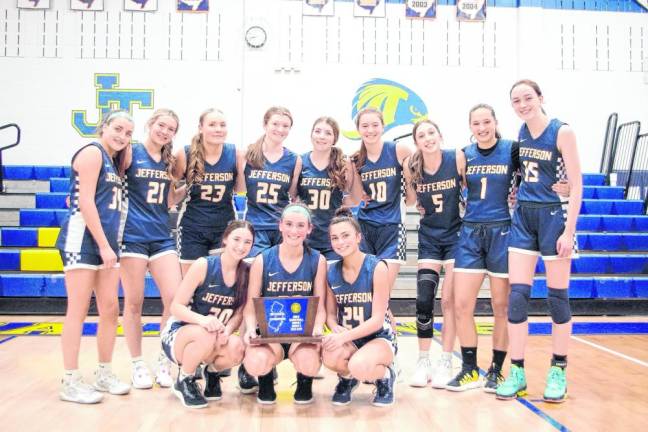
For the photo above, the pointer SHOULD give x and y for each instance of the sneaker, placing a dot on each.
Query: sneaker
(140, 376)
(266, 395)
(275, 375)
(556, 389)
(74, 389)
(385, 390)
(106, 381)
(189, 393)
(422, 374)
(397, 369)
(304, 390)
(514, 386)
(466, 379)
(442, 373)
(212, 385)
(494, 378)
(247, 383)
(343, 390)
(225, 373)
(163, 376)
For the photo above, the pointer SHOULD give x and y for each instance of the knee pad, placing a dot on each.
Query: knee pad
(558, 301)
(427, 281)
(518, 308)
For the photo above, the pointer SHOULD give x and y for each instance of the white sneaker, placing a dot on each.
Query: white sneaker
(141, 377)
(75, 390)
(163, 372)
(397, 369)
(106, 381)
(443, 373)
(422, 374)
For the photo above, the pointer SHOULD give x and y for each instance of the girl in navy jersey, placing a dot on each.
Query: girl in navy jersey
(88, 242)
(207, 309)
(288, 269)
(361, 345)
(271, 176)
(213, 171)
(147, 243)
(433, 181)
(542, 227)
(324, 178)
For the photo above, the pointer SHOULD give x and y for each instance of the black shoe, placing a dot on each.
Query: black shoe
(385, 390)
(343, 390)
(266, 395)
(494, 378)
(304, 390)
(212, 385)
(225, 373)
(189, 393)
(247, 383)
(275, 375)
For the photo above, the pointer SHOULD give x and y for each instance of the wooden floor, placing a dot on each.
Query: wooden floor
(607, 375)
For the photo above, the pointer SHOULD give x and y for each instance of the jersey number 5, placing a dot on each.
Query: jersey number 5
(530, 171)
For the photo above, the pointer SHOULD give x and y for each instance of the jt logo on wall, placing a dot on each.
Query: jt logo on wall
(110, 97)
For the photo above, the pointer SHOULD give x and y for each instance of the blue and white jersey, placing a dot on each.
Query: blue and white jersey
(381, 180)
(146, 189)
(74, 235)
(209, 203)
(489, 179)
(542, 164)
(213, 296)
(267, 190)
(440, 195)
(277, 281)
(315, 189)
(354, 300)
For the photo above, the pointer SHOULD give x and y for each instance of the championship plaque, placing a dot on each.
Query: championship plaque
(285, 319)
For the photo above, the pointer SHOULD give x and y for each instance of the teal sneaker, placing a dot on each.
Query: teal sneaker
(514, 386)
(556, 389)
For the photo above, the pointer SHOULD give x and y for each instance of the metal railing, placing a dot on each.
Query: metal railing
(608, 145)
(2, 190)
(625, 143)
(638, 179)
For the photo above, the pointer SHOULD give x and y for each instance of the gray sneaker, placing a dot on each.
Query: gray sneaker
(106, 381)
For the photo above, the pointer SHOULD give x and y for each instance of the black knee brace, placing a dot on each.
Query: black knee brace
(518, 308)
(427, 281)
(558, 301)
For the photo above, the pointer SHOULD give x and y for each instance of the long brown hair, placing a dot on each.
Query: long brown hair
(196, 162)
(360, 157)
(416, 161)
(243, 268)
(336, 168)
(254, 155)
(167, 149)
(119, 158)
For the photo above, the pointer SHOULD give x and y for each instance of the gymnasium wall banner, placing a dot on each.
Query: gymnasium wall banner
(33, 4)
(471, 10)
(369, 8)
(109, 96)
(193, 6)
(87, 5)
(140, 5)
(420, 8)
(318, 7)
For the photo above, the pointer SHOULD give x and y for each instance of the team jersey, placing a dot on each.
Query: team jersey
(209, 203)
(440, 194)
(146, 189)
(279, 282)
(316, 191)
(213, 296)
(381, 180)
(489, 179)
(354, 300)
(267, 190)
(74, 235)
(542, 164)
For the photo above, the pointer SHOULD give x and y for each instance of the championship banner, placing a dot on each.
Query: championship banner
(318, 7)
(140, 5)
(86, 5)
(33, 4)
(369, 8)
(471, 10)
(420, 8)
(193, 6)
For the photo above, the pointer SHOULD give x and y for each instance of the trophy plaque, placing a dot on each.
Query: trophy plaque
(285, 319)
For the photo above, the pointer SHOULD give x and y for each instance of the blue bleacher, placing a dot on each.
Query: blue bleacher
(611, 207)
(51, 200)
(19, 237)
(606, 264)
(9, 260)
(602, 192)
(36, 172)
(41, 217)
(60, 184)
(593, 179)
(612, 223)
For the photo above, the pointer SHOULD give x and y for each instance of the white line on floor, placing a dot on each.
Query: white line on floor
(608, 350)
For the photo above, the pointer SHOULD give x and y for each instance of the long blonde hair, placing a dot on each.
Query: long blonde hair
(167, 149)
(336, 168)
(196, 162)
(416, 161)
(360, 157)
(254, 155)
